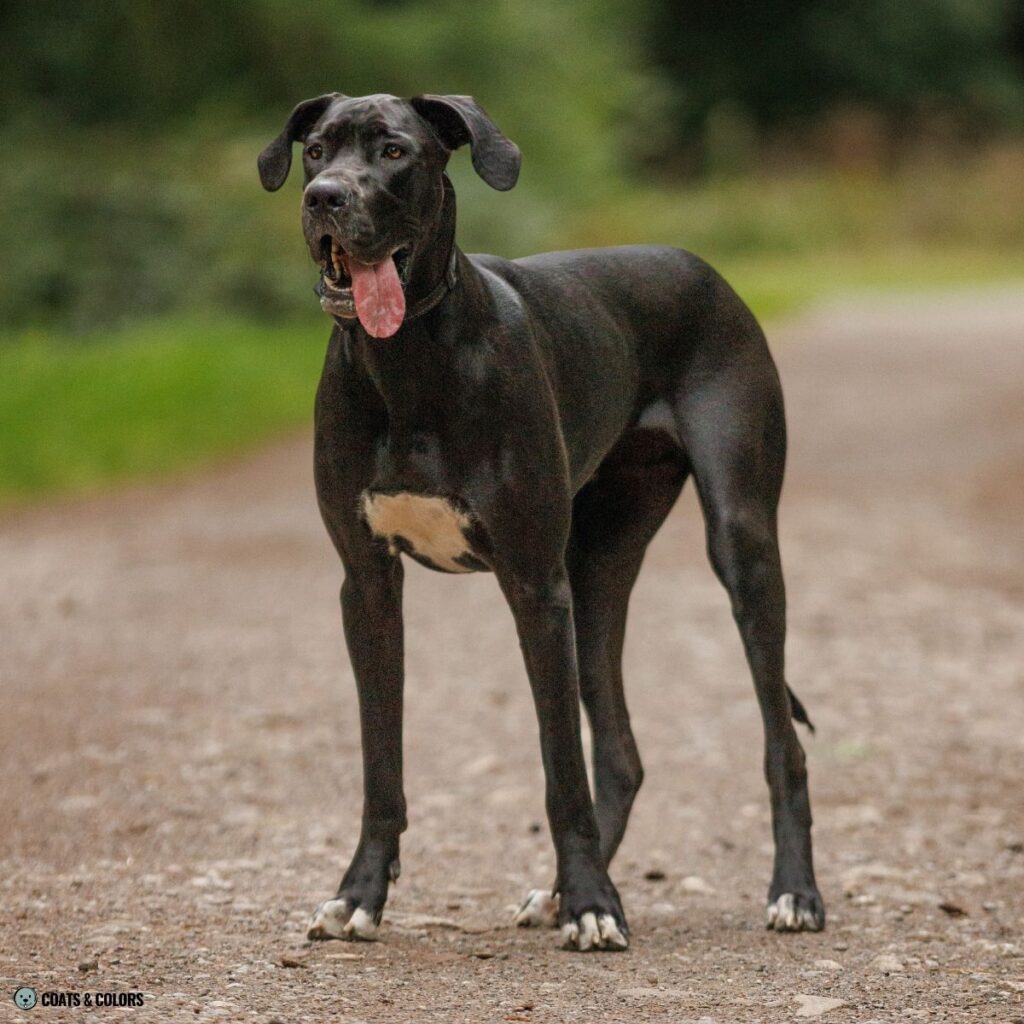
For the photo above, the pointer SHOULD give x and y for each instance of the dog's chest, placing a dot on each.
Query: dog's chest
(428, 527)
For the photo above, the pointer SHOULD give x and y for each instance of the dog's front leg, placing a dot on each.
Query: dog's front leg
(371, 603)
(590, 912)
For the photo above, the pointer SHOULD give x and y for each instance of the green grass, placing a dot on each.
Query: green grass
(779, 286)
(78, 415)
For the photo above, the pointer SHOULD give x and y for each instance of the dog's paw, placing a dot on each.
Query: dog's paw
(593, 932)
(796, 912)
(337, 919)
(539, 910)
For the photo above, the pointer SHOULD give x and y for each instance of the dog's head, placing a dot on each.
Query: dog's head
(374, 190)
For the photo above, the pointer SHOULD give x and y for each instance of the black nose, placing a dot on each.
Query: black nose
(331, 195)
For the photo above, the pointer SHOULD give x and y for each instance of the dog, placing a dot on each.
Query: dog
(535, 418)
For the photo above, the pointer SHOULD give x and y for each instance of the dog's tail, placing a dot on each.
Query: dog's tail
(799, 711)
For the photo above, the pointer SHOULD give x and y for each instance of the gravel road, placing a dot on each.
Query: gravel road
(180, 757)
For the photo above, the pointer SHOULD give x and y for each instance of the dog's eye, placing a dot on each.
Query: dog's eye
(315, 151)
(393, 152)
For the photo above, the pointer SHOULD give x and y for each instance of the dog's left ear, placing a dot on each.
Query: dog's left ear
(460, 119)
(276, 160)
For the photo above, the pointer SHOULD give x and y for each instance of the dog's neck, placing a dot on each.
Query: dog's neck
(432, 264)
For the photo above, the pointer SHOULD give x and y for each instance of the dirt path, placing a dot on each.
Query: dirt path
(181, 763)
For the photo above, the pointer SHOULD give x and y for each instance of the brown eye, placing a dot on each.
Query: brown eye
(315, 151)
(393, 152)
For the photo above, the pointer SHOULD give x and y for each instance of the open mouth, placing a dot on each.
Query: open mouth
(373, 292)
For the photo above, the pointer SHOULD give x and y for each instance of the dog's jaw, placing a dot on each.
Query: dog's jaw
(335, 287)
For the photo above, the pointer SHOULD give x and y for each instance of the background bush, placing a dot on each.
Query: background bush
(130, 130)
(156, 309)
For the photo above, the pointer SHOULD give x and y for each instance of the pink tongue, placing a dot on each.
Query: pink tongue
(378, 295)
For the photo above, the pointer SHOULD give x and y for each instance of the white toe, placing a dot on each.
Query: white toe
(782, 913)
(361, 926)
(610, 934)
(328, 920)
(539, 910)
(570, 934)
(590, 937)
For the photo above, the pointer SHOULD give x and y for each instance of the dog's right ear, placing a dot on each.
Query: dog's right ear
(276, 160)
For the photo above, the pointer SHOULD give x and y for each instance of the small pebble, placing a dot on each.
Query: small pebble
(887, 964)
(815, 1006)
(88, 965)
(695, 884)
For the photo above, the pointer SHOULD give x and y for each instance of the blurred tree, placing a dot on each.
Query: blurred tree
(786, 63)
(145, 120)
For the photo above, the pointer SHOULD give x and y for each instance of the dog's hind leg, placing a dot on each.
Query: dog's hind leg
(732, 426)
(614, 519)
(615, 516)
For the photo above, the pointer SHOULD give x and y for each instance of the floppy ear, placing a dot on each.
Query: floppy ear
(460, 119)
(276, 160)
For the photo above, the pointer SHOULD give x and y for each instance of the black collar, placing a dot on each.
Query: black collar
(428, 302)
(440, 290)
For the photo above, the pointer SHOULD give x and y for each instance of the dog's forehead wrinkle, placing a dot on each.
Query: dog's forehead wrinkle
(377, 115)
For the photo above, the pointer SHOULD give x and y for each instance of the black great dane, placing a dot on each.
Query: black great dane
(536, 418)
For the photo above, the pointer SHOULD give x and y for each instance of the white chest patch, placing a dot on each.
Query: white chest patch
(432, 527)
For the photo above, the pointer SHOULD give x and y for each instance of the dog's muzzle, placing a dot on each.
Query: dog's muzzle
(371, 289)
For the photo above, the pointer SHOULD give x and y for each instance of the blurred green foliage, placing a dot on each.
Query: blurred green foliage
(153, 399)
(144, 122)
(131, 129)
(157, 305)
(793, 64)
